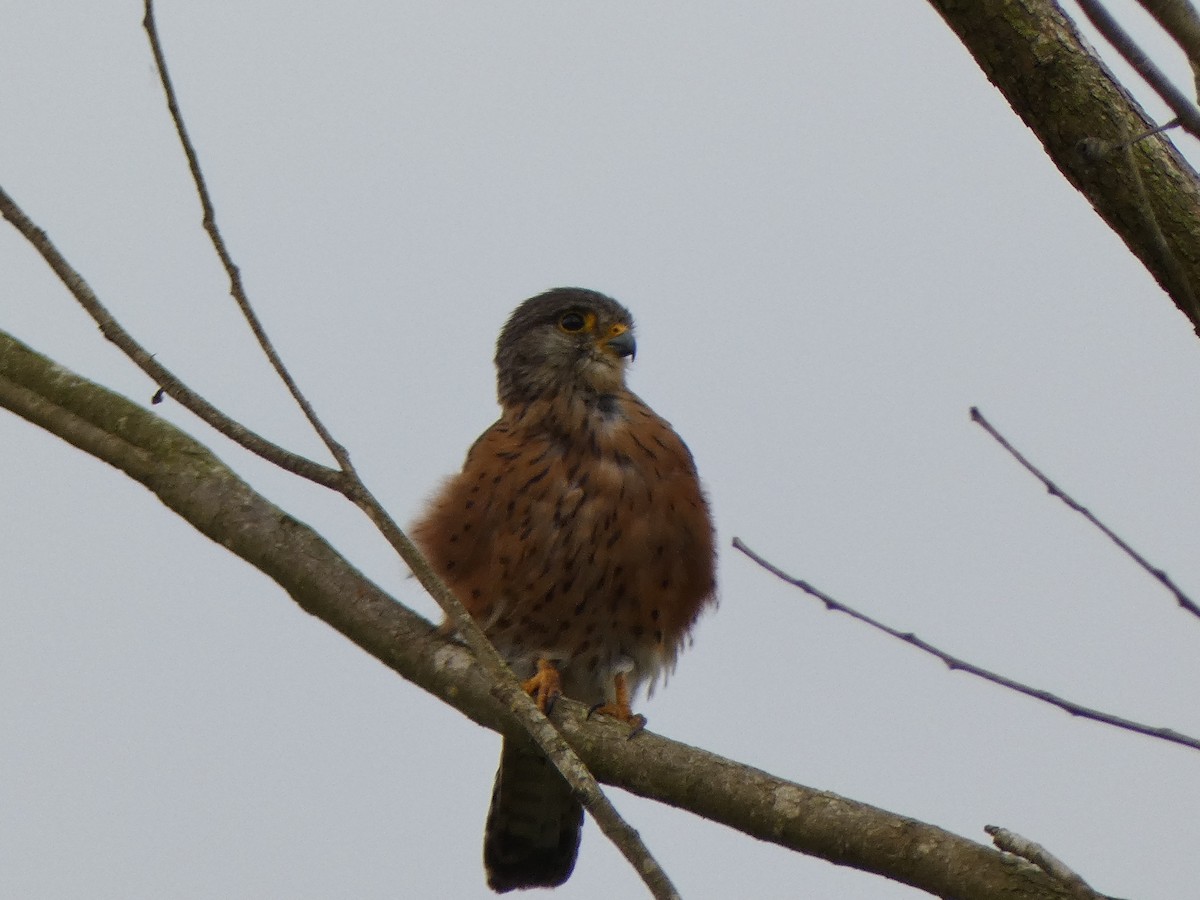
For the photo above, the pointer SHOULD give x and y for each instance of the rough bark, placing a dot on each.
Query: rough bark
(1147, 193)
(190, 480)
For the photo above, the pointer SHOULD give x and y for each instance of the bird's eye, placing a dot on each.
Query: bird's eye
(572, 322)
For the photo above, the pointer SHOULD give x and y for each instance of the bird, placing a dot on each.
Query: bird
(579, 538)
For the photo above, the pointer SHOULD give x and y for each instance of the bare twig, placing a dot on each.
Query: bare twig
(1102, 148)
(1185, 110)
(350, 484)
(953, 662)
(236, 289)
(1011, 842)
(506, 687)
(1178, 18)
(111, 329)
(1095, 148)
(1055, 491)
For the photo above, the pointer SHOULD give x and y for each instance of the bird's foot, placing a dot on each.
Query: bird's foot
(545, 686)
(619, 708)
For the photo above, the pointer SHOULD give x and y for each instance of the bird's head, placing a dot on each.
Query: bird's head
(567, 339)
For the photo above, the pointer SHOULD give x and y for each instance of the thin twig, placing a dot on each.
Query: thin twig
(1154, 229)
(953, 662)
(1149, 132)
(163, 377)
(1178, 18)
(1018, 845)
(236, 289)
(1096, 150)
(507, 688)
(1185, 110)
(1055, 491)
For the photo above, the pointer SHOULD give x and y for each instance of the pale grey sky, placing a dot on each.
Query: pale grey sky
(835, 237)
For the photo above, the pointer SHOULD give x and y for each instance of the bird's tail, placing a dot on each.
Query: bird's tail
(532, 833)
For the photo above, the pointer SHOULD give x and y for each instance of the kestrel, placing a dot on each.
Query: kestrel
(578, 537)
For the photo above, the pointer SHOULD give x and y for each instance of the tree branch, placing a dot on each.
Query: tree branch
(1035, 55)
(1054, 490)
(144, 360)
(236, 289)
(953, 662)
(505, 685)
(192, 482)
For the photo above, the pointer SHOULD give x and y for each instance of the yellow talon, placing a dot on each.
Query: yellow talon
(619, 708)
(545, 686)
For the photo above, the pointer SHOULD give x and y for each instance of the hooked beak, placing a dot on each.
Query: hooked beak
(622, 345)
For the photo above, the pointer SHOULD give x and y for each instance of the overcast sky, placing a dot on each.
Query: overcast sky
(835, 237)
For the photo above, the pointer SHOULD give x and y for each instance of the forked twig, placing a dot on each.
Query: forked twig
(236, 289)
(953, 662)
(1186, 114)
(1055, 491)
(507, 689)
(144, 360)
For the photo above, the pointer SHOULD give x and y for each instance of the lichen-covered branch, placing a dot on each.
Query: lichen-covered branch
(1147, 193)
(195, 484)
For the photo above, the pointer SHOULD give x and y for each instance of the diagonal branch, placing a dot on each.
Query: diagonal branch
(144, 360)
(506, 686)
(1055, 491)
(953, 662)
(236, 288)
(1053, 80)
(197, 486)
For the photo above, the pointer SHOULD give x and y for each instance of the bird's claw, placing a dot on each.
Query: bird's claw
(545, 686)
(619, 707)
